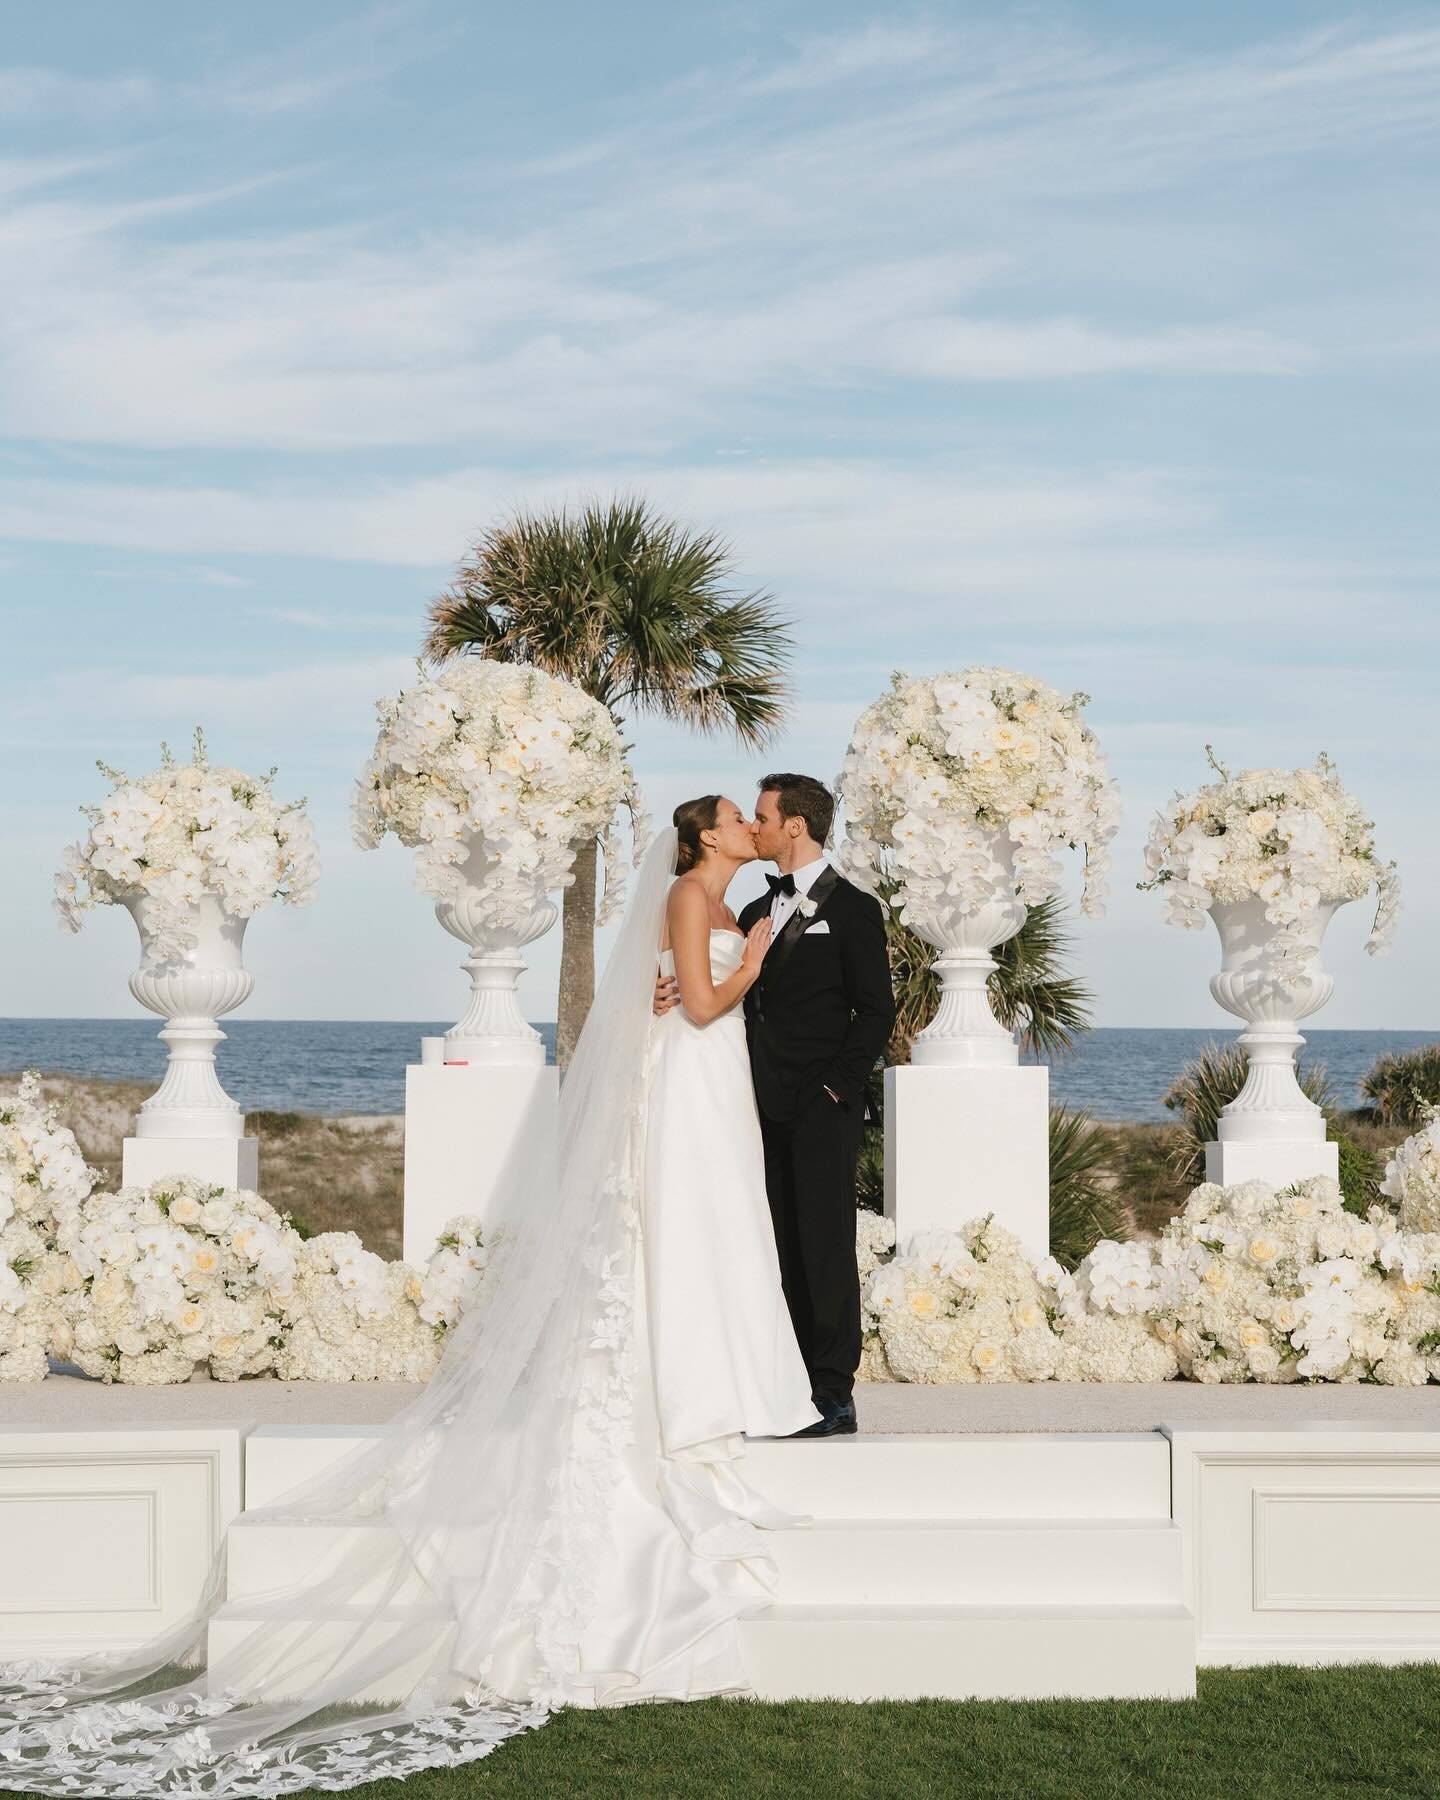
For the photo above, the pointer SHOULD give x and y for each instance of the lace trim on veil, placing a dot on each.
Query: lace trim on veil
(118, 1724)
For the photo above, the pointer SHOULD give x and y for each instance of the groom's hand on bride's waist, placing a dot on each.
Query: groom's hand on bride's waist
(667, 994)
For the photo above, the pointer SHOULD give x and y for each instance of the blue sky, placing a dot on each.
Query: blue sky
(1097, 340)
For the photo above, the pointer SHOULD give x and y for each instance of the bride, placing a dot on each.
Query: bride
(559, 1518)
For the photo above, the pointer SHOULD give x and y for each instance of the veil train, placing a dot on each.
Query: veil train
(513, 1541)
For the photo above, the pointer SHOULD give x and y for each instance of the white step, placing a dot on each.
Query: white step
(263, 1557)
(965, 1653)
(356, 1653)
(974, 1475)
(914, 1562)
(279, 1457)
(969, 1475)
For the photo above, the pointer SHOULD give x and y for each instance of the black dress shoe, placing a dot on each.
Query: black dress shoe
(837, 1420)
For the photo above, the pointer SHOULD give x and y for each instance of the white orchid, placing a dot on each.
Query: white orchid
(182, 831)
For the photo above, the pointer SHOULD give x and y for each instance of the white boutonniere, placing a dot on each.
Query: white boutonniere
(806, 907)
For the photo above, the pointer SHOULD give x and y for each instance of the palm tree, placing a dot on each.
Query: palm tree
(638, 612)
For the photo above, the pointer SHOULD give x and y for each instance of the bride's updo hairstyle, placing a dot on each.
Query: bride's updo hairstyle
(690, 818)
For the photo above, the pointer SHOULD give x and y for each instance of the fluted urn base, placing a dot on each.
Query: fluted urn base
(1271, 1131)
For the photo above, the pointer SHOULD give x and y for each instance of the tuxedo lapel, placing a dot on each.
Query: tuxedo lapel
(795, 926)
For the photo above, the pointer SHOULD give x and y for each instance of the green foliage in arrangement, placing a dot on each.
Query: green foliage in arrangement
(1029, 990)
(640, 614)
(1210, 1081)
(1403, 1084)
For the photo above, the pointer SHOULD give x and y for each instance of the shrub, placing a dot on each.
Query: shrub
(1402, 1083)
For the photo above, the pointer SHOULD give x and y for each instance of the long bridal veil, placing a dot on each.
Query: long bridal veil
(451, 1562)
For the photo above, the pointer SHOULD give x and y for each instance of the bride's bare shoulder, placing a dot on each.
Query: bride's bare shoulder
(687, 900)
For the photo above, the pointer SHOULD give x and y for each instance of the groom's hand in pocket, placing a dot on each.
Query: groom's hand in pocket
(667, 995)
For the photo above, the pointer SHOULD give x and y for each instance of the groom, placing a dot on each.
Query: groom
(817, 1020)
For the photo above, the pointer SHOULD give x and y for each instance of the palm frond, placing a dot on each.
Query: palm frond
(1082, 1209)
(630, 606)
(1206, 1086)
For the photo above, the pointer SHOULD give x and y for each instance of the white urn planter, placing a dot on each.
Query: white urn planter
(965, 1032)
(190, 1125)
(967, 1128)
(492, 1028)
(1270, 1131)
(481, 1102)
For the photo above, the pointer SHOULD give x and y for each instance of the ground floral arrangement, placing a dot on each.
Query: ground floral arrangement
(150, 1284)
(182, 831)
(503, 757)
(1246, 1283)
(944, 768)
(1293, 838)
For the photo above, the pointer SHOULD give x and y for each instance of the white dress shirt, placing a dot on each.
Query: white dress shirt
(783, 905)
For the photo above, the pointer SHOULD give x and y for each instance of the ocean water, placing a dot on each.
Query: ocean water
(350, 1066)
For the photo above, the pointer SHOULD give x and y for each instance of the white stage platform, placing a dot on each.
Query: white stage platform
(1005, 1541)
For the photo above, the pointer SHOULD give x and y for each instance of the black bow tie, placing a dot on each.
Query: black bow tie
(781, 884)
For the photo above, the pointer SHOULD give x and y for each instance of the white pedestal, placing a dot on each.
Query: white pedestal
(1281, 1163)
(227, 1162)
(467, 1131)
(963, 1142)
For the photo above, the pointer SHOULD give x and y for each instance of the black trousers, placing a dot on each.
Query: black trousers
(810, 1178)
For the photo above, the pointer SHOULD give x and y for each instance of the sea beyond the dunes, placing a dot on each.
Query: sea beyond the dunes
(348, 1066)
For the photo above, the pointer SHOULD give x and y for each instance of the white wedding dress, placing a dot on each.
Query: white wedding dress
(545, 1524)
(724, 1352)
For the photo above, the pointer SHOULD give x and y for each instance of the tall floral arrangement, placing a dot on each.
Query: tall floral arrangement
(508, 755)
(941, 766)
(184, 830)
(1293, 838)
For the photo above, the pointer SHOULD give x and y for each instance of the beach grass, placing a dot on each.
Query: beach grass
(347, 1174)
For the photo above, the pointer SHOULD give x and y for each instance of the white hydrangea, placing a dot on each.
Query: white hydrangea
(175, 1276)
(1290, 837)
(1258, 1284)
(510, 759)
(184, 830)
(352, 1316)
(940, 765)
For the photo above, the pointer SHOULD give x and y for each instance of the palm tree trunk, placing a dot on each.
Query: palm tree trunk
(577, 952)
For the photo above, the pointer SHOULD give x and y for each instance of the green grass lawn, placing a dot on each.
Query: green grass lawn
(1255, 1734)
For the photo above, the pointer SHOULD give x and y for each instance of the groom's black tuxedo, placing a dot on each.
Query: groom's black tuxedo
(818, 1018)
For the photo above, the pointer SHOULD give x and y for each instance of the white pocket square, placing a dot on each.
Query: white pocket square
(819, 925)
